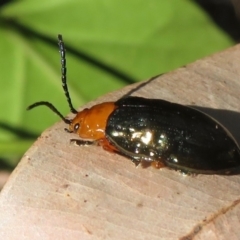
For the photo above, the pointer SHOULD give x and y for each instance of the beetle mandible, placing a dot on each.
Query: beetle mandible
(152, 131)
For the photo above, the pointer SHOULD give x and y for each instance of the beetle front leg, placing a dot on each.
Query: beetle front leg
(80, 142)
(103, 142)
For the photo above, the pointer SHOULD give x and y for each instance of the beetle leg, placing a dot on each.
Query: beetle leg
(136, 162)
(106, 145)
(100, 142)
(158, 164)
(80, 142)
(146, 164)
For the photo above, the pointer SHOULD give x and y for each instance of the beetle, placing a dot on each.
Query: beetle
(152, 131)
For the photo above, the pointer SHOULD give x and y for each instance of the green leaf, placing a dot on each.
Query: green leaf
(109, 44)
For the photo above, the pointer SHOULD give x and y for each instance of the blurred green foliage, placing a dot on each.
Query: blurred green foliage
(109, 44)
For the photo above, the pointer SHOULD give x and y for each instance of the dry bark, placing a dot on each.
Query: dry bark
(60, 191)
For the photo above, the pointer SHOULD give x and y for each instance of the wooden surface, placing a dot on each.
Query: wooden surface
(61, 191)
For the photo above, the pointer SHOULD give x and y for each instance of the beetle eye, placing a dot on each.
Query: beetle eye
(76, 126)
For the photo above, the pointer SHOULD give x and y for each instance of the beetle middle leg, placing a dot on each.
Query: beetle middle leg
(106, 145)
(158, 164)
(146, 164)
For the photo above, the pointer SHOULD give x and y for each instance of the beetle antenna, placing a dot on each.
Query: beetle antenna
(62, 51)
(48, 104)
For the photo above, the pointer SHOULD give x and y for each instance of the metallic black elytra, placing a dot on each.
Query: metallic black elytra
(153, 131)
(180, 137)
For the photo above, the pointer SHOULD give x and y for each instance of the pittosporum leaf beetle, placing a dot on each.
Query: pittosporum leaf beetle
(153, 131)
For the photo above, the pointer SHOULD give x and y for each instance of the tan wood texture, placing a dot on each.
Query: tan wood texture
(61, 191)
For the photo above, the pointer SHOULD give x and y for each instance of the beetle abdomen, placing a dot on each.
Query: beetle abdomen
(181, 137)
